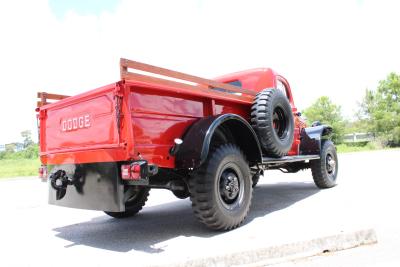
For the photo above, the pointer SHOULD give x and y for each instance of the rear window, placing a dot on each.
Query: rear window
(235, 83)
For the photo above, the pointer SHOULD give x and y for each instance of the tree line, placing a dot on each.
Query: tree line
(30, 150)
(379, 113)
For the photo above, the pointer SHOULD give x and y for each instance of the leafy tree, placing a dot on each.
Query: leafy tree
(10, 148)
(381, 108)
(356, 126)
(326, 112)
(31, 152)
(27, 135)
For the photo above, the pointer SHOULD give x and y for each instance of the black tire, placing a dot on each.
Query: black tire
(325, 169)
(255, 179)
(181, 194)
(136, 198)
(272, 120)
(221, 189)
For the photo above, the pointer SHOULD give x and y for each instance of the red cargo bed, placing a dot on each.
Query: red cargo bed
(137, 117)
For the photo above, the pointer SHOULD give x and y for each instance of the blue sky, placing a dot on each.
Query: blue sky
(82, 7)
(334, 48)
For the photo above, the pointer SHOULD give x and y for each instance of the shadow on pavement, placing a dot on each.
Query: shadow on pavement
(160, 223)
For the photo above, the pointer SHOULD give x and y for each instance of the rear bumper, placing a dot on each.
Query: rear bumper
(97, 186)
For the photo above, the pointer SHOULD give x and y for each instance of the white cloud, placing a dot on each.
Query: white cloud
(336, 49)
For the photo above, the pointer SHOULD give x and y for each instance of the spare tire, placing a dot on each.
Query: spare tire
(272, 120)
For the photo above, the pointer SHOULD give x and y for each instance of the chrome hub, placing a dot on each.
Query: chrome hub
(229, 186)
(330, 164)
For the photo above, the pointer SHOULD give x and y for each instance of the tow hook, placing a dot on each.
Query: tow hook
(59, 181)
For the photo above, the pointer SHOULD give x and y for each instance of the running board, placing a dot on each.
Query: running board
(287, 159)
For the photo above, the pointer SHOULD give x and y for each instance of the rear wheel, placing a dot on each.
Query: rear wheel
(325, 169)
(181, 194)
(135, 198)
(221, 189)
(255, 178)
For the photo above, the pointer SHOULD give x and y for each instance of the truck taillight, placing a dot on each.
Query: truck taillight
(43, 172)
(125, 171)
(133, 171)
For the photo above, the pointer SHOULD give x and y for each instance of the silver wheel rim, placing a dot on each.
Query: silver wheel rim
(230, 187)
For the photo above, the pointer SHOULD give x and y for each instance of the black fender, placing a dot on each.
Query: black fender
(196, 142)
(311, 139)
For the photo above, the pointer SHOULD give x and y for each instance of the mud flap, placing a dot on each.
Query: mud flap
(93, 186)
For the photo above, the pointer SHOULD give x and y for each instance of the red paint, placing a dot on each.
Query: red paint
(43, 172)
(83, 128)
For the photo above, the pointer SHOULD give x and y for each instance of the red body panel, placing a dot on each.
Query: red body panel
(84, 128)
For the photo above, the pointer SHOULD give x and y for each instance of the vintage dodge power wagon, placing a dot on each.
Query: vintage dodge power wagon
(210, 140)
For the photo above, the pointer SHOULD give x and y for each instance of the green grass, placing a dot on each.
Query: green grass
(29, 167)
(345, 148)
(19, 167)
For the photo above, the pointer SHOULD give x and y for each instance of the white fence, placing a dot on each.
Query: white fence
(358, 137)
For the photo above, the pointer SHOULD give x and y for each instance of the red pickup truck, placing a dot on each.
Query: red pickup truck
(210, 140)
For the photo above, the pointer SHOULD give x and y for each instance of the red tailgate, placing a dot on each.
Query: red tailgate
(80, 123)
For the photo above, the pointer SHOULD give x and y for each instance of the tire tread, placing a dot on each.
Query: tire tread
(203, 202)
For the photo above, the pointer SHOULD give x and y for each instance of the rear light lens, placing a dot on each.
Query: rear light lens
(125, 171)
(43, 172)
(133, 171)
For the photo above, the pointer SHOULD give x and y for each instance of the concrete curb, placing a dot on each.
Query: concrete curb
(273, 254)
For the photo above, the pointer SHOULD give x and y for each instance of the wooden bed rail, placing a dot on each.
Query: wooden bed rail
(45, 96)
(179, 79)
(162, 76)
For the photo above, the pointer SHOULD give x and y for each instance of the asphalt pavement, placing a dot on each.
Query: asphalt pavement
(290, 218)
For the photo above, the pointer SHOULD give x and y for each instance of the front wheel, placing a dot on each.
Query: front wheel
(135, 198)
(221, 189)
(325, 169)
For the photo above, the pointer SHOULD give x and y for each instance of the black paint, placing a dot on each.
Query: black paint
(196, 142)
(311, 139)
(99, 187)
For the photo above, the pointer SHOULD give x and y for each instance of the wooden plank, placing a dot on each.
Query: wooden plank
(51, 96)
(126, 63)
(45, 96)
(183, 88)
(40, 103)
